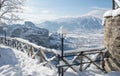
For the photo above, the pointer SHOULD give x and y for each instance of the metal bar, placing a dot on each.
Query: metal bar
(62, 46)
(62, 53)
(58, 64)
(113, 4)
(62, 70)
(81, 60)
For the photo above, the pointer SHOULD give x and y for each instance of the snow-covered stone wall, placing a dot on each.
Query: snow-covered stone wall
(112, 42)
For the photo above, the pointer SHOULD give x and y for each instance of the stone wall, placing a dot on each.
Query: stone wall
(112, 43)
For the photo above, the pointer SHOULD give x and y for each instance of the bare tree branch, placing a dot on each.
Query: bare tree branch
(9, 10)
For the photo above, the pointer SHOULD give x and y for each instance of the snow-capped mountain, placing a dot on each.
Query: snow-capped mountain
(83, 23)
(79, 26)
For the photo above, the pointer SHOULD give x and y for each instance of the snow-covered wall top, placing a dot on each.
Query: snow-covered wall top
(115, 12)
(112, 13)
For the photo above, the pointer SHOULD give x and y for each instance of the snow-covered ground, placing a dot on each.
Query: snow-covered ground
(17, 63)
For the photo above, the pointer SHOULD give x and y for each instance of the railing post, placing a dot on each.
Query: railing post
(58, 65)
(62, 70)
(62, 47)
(81, 60)
(41, 56)
(103, 62)
(102, 58)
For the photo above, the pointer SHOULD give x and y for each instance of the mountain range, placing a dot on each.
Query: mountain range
(83, 23)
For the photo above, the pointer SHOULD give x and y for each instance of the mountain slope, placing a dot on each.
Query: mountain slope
(83, 23)
(27, 31)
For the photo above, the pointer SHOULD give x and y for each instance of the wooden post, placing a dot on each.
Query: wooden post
(41, 56)
(58, 65)
(62, 70)
(102, 58)
(81, 60)
(62, 47)
(59, 71)
(103, 62)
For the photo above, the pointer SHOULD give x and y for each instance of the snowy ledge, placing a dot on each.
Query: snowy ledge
(112, 13)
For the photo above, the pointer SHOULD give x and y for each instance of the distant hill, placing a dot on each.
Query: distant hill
(83, 23)
(27, 31)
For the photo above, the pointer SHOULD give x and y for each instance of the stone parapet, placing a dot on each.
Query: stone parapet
(112, 42)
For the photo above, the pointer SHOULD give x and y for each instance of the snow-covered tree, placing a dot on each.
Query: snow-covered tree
(9, 10)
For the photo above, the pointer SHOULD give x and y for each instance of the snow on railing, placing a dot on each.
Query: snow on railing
(31, 49)
(37, 46)
(48, 56)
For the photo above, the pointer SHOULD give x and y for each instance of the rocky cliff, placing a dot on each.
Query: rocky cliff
(27, 31)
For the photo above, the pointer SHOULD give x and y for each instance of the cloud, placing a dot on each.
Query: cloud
(45, 11)
(97, 12)
(99, 8)
(38, 18)
(38, 15)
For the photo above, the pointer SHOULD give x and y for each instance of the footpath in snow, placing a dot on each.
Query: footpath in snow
(17, 63)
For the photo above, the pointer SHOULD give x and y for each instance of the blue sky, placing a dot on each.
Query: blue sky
(41, 10)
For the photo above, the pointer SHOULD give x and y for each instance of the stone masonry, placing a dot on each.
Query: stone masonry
(112, 43)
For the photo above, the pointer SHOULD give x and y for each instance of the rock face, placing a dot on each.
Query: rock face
(29, 32)
(112, 43)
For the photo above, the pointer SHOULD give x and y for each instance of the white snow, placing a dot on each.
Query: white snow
(113, 74)
(36, 46)
(118, 2)
(115, 12)
(17, 63)
(112, 13)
